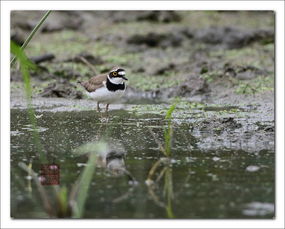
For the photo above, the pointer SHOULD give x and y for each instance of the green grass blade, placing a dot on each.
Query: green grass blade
(86, 177)
(168, 130)
(25, 66)
(168, 188)
(31, 35)
(40, 187)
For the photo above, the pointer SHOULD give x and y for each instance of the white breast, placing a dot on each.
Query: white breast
(103, 95)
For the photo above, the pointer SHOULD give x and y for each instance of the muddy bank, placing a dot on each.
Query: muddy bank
(165, 53)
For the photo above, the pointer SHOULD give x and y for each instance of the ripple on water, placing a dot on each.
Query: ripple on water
(252, 168)
(15, 133)
(258, 209)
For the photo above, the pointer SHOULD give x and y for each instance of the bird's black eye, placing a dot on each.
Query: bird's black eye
(115, 73)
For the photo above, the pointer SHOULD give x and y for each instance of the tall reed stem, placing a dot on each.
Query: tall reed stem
(32, 34)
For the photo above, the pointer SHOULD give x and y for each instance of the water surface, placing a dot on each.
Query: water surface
(218, 182)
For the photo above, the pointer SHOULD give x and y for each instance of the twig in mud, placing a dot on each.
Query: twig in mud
(88, 64)
(42, 58)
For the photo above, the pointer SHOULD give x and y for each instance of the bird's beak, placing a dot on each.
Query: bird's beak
(124, 78)
(123, 73)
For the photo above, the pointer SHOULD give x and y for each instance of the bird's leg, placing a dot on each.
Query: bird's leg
(98, 107)
(107, 107)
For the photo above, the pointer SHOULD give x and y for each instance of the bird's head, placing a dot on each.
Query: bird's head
(117, 75)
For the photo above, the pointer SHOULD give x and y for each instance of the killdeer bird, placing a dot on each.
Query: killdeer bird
(106, 88)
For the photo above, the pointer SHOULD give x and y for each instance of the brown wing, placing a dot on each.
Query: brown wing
(94, 83)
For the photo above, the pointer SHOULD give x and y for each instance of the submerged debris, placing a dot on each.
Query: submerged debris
(42, 58)
(95, 60)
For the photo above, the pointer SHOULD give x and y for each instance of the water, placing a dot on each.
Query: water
(207, 182)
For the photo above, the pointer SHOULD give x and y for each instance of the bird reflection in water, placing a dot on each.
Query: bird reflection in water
(113, 160)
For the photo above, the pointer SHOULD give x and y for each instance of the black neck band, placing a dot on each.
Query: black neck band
(114, 87)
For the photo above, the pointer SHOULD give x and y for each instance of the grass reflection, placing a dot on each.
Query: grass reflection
(162, 168)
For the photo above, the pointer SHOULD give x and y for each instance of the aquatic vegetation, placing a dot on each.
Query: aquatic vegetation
(166, 171)
(168, 190)
(25, 66)
(168, 132)
(62, 203)
(64, 206)
(81, 187)
(182, 108)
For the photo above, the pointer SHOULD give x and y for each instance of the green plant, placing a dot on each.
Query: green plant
(81, 187)
(166, 171)
(69, 204)
(168, 130)
(25, 66)
(168, 191)
(37, 27)
(258, 85)
(65, 206)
